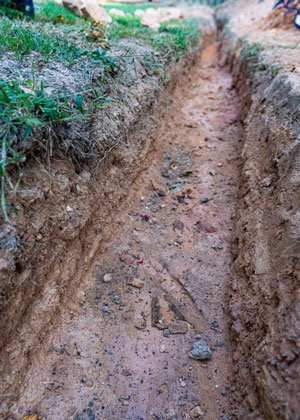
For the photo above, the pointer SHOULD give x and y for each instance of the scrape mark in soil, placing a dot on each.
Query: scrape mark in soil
(121, 351)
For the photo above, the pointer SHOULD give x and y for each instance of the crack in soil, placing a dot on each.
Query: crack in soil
(107, 359)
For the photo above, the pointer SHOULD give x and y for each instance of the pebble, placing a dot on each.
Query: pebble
(205, 199)
(107, 278)
(162, 349)
(217, 386)
(196, 412)
(224, 392)
(167, 333)
(212, 172)
(69, 208)
(104, 308)
(200, 351)
(139, 284)
(126, 403)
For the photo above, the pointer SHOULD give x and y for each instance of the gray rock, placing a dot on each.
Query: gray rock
(104, 308)
(166, 333)
(205, 199)
(200, 351)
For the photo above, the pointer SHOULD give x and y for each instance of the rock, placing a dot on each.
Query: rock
(161, 193)
(204, 227)
(165, 313)
(139, 284)
(178, 226)
(200, 351)
(166, 333)
(178, 327)
(31, 417)
(205, 199)
(126, 372)
(117, 12)
(104, 308)
(126, 403)
(162, 349)
(107, 278)
(224, 392)
(140, 324)
(212, 172)
(69, 208)
(139, 13)
(127, 259)
(88, 8)
(151, 19)
(196, 412)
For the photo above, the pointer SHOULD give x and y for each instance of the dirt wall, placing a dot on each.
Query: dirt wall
(265, 287)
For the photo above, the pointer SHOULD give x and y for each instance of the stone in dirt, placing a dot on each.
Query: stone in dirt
(165, 314)
(200, 351)
(178, 226)
(127, 259)
(178, 327)
(204, 227)
(139, 284)
(88, 8)
(197, 412)
(107, 278)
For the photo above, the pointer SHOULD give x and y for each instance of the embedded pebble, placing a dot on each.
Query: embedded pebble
(200, 351)
(166, 333)
(107, 278)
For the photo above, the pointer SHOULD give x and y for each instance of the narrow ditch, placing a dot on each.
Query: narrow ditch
(121, 349)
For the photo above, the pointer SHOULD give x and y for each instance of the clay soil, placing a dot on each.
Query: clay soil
(108, 356)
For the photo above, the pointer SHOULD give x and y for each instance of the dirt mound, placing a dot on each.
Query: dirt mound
(278, 19)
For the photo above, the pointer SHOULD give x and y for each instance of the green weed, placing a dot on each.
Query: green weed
(25, 107)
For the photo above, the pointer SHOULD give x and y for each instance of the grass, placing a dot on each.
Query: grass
(59, 35)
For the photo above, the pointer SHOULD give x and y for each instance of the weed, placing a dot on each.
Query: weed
(24, 107)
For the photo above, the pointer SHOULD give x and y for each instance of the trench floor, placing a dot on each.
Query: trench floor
(167, 267)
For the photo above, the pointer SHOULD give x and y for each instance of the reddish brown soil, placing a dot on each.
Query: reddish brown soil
(117, 364)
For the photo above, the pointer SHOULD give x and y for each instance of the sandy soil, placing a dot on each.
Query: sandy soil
(108, 357)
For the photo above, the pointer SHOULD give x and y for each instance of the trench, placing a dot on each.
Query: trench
(121, 348)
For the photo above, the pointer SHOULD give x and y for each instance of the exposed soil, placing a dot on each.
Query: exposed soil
(167, 266)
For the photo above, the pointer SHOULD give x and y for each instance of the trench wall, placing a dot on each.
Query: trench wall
(265, 286)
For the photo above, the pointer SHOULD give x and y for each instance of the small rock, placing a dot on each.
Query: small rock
(161, 193)
(127, 259)
(69, 208)
(139, 284)
(140, 324)
(224, 392)
(126, 372)
(200, 351)
(212, 172)
(205, 199)
(196, 412)
(162, 349)
(104, 308)
(166, 333)
(126, 403)
(178, 226)
(178, 327)
(107, 278)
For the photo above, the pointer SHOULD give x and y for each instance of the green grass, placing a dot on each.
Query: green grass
(24, 103)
